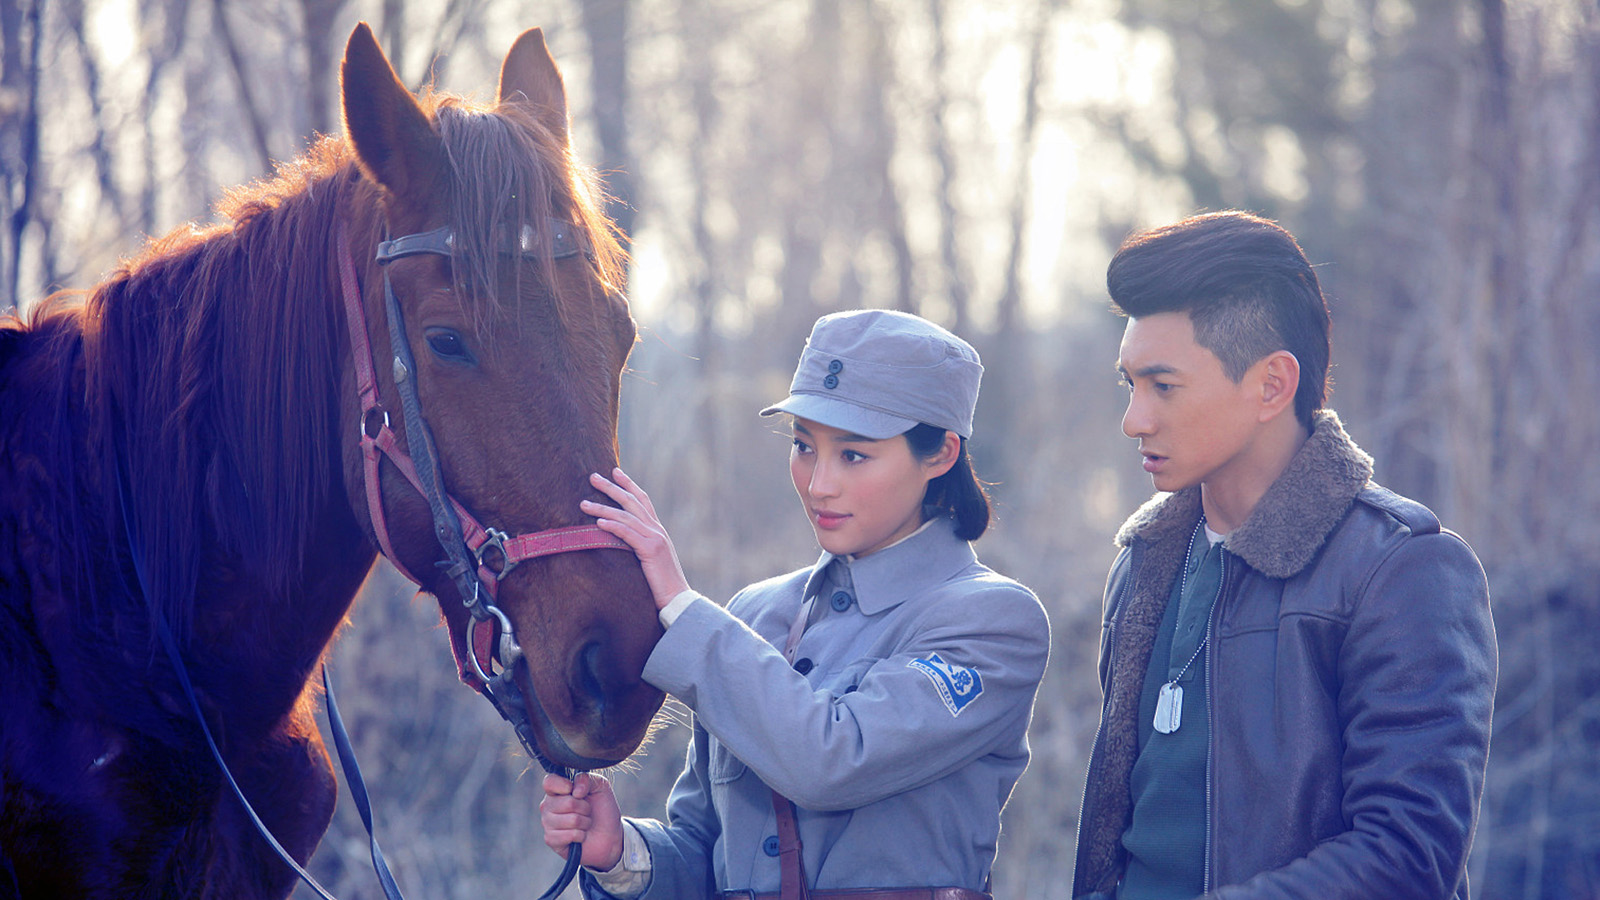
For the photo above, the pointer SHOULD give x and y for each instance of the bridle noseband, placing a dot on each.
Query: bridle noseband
(477, 558)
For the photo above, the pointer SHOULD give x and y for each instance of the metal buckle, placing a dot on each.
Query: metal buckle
(368, 419)
(496, 541)
(510, 651)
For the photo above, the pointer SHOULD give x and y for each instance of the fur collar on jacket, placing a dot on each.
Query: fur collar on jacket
(1294, 517)
(1279, 539)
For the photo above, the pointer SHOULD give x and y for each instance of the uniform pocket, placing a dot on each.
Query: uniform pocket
(725, 767)
(849, 678)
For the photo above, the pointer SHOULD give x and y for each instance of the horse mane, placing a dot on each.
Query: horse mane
(212, 358)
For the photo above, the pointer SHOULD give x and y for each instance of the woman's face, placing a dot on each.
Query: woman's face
(860, 494)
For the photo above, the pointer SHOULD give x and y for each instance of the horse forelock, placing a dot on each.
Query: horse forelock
(507, 171)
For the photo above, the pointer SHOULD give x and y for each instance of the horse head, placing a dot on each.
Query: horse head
(518, 335)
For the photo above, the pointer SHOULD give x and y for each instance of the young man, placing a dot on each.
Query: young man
(1297, 665)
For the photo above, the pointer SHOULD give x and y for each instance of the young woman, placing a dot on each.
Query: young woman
(859, 724)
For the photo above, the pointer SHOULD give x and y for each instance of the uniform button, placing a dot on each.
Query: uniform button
(803, 665)
(831, 382)
(770, 845)
(841, 601)
(835, 367)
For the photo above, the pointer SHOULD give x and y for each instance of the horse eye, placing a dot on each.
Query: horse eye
(449, 346)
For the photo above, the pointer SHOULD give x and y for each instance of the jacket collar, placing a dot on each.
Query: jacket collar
(884, 580)
(1295, 516)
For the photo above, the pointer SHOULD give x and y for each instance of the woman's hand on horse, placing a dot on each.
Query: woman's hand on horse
(582, 810)
(634, 520)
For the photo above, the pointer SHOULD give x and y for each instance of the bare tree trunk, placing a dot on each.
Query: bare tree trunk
(956, 282)
(241, 73)
(105, 175)
(606, 24)
(454, 22)
(880, 121)
(1010, 307)
(705, 286)
(803, 228)
(173, 28)
(319, 18)
(1009, 384)
(395, 35)
(19, 132)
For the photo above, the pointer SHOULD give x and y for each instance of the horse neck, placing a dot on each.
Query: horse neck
(217, 368)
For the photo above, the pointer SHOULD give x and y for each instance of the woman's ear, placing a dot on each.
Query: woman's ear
(949, 452)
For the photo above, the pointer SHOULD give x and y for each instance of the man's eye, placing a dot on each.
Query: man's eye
(449, 345)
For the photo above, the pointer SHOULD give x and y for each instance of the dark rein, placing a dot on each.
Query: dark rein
(468, 563)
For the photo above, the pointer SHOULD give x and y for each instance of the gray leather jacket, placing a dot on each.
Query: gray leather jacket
(1352, 666)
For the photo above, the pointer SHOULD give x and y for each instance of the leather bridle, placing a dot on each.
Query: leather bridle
(477, 558)
(467, 544)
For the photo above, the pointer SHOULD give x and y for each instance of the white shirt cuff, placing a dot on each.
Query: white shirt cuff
(630, 877)
(676, 606)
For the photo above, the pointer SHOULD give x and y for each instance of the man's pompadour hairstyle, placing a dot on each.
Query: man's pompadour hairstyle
(1246, 286)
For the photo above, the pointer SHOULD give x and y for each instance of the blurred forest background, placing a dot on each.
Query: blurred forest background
(975, 162)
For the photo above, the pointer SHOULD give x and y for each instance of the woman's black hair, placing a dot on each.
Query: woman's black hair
(957, 493)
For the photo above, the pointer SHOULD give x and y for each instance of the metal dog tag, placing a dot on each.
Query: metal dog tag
(1169, 708)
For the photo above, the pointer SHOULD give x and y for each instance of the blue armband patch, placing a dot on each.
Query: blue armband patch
(957, 685)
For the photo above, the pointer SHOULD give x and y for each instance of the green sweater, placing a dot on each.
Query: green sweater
(1166, 838)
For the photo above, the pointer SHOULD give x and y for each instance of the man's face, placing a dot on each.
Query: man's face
(1193, 423)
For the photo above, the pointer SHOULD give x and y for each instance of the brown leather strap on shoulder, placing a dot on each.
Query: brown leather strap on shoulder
(792, 871)
(791, 865)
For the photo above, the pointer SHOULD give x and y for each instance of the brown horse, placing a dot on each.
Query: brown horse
(185, 445)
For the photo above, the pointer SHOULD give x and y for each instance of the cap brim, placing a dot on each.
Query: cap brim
(843, 415)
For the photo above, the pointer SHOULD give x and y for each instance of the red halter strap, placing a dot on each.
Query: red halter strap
(377, 438)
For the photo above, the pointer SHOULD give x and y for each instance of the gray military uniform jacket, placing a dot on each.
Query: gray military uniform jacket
(899, 743)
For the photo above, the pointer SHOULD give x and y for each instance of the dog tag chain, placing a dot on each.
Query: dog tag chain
(1169, 701)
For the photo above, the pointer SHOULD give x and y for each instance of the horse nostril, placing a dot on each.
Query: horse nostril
(589, 675)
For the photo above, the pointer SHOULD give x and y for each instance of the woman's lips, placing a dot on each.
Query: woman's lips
(828, 519)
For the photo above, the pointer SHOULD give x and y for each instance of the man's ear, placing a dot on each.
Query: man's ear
(1279, 380)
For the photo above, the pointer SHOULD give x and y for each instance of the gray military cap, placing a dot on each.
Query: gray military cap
(877, 373)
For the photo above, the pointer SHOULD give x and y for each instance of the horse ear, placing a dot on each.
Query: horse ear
(529, 76)
(395, 143)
